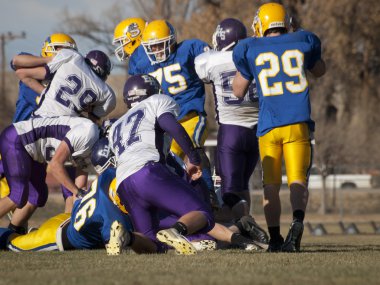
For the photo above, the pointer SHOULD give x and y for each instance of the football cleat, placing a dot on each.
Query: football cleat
(248, 227)
(293, 240)
(172, 238)
(245, 243)
(275, 245)
(119, 237)
(204, 245)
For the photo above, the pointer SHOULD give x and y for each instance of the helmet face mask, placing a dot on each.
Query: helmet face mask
(159, 41)
(270, 16)
(55, 42)
(127, 37)
(139, 87)
(227, 34)
(102, 156)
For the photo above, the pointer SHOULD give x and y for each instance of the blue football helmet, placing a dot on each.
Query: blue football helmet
(227, 34)
(139, 87)
(102, 157)
(100, 63)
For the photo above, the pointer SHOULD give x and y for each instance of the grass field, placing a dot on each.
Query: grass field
(333, 259)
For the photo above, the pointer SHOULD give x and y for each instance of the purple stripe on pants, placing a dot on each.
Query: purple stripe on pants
(155, 188)
(26, 177)
(237, 156)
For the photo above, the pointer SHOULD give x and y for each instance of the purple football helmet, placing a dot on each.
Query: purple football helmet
(227, 34)
(99, 62)
(102, 157)
(139, 87)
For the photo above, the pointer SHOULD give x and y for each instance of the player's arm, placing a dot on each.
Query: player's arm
(240, 85)
(28, 61)
(31, 77)
(57, 169)
(81, 179)
(319, 68)
(104, 107)
(169, 124)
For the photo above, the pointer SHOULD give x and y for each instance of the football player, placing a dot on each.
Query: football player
(28, 99)
(278, 61)
(172, 64)
(87, 227)
(28, 146)
(237, 147)
(127, 37)
(144, 183)
(78, 84)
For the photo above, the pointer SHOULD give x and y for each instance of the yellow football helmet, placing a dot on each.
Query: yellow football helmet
(112, 194)
(127, 37)
(55, 41)
(269, 16)
(158, 40)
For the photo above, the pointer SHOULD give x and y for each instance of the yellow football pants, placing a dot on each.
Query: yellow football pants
(46, 238)
(196, 127)
(293, 142)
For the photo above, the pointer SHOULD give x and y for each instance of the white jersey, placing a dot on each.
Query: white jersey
(42, 136)
(218, 68)
(74, 88)
(136, 138)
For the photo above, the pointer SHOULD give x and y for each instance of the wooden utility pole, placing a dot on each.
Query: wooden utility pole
(4, 38)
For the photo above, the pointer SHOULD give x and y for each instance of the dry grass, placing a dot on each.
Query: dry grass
(325, 260)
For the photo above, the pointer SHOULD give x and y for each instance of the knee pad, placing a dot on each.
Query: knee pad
(231, 199)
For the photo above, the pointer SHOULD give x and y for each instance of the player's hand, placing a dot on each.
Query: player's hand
(194, 171)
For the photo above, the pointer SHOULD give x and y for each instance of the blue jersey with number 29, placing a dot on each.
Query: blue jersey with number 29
(93, 215)
(279, 66)
(176, 75)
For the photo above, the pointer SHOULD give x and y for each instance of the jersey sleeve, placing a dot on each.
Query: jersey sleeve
(107, 105)
(165, 104)
(133, 60)
(198, 47)
(316, 50)
(81, 138)
(201, 67)
(240, 60)
(62, 57)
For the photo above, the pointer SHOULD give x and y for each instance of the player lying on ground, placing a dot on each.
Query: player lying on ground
(87, 227)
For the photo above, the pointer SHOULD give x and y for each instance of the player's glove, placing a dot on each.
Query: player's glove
(81, 193)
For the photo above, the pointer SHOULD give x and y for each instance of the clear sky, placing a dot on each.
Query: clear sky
(39, 18)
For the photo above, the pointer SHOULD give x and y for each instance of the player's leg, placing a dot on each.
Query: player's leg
(298, 161)
(144, 219)
(17, 166)
(237, 155)
(43, 239)
(158, 188)
(270, 147)
(38, 194)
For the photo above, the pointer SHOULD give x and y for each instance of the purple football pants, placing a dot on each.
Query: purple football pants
(154, 188)
(237, 155)
(25, 177)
